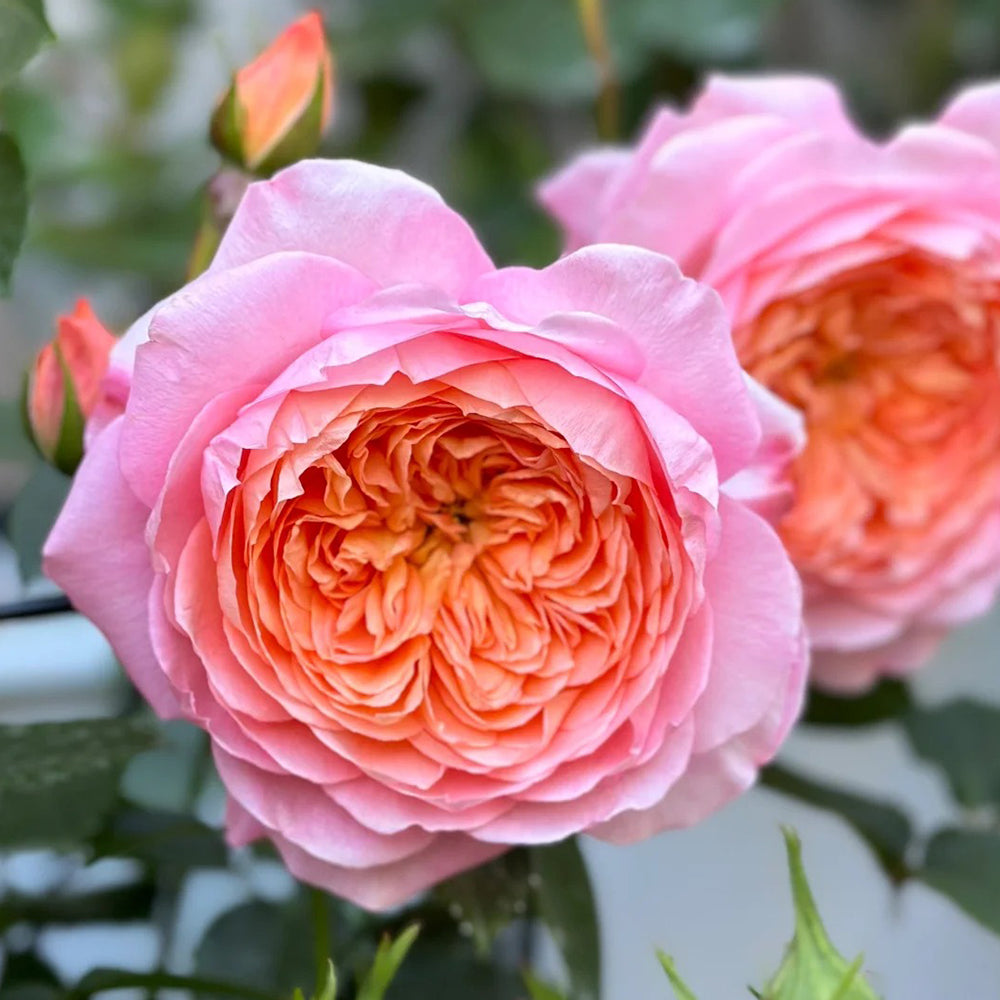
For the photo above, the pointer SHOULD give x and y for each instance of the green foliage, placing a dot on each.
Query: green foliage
(566, 907)
(888, 700)
(962, 738)
(681, 990)
(32, 515)
(23, 30)
(812, 968)
(13, 206)
(59, 780)
(388, 959)
(965, 866)
(885, 828)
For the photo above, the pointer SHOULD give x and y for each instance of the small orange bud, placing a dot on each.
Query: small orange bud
(277, 107)
(63, 386)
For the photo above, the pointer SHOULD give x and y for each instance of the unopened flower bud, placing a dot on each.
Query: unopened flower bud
(277, 106)
(63, 385)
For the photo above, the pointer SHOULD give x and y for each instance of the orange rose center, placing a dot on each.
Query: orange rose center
(895, 367)
(451, 575)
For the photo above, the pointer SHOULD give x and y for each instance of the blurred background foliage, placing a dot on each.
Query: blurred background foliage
(480, 98)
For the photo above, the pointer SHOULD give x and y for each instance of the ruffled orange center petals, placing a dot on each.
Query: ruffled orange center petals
(446, 581)
(895, 366)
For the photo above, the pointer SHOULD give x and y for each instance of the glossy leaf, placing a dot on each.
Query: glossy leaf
(566, 905)
(885, 828)
(23, 30)
(964, 865)
(962, 738)
(59, 780)
(13, 204)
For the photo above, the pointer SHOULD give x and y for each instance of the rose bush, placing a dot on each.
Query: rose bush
(862, 281)
(437, 553)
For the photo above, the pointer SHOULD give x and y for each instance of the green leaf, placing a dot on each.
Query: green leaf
(566, 906)
(961, 738)
(888, 700)
(529, 48)
(812, 968)
(680, 989)
(486, 899)
(168, 844)
(13, 204)
(59, 780)
(32, 515)
(104, 980)
(539, 990)
(23, 30)
(120, 903)
(885, 828)
(964, 865)
(388, 959)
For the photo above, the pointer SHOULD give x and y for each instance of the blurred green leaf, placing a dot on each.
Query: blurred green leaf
(23, 30)
(27, 977)
(889, 699)
(168, 778)
(964, 865)
(32, 515)
(59, 780)
(105, 980)
(566, 906)
(962, 738)
(14, 444)
(388, 959)
(168, 844)
(486, 899)
(13, 204)
(884, 827)
(530, 48)
(812, 968)
(442, 947)
(539, 990)
(119, 903)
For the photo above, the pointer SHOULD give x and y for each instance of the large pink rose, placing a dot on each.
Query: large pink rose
(437, 553)
(863, 284)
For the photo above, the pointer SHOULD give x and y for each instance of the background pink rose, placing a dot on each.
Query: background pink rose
(861, 280)
(436, 553)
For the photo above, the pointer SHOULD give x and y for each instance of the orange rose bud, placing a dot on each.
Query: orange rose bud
(277, 107)
(63, 385)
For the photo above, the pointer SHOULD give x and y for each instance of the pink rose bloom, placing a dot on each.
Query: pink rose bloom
(862, 281)
(437, 553)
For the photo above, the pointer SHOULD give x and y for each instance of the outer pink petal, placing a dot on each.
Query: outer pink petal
(386, 224)
(677, 333)
(573, 196)
(756, 601)
(764, 485)
(807, 101)
(382, 887)
(976, 110)
(97, 553)
(856, 671)
(222, 331)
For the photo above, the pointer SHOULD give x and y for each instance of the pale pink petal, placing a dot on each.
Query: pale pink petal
(387, 225)
(97, 553)
(220, 332)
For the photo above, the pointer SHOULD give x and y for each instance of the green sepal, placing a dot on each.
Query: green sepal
(227, 126)
(680, 987)
(812, 968)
